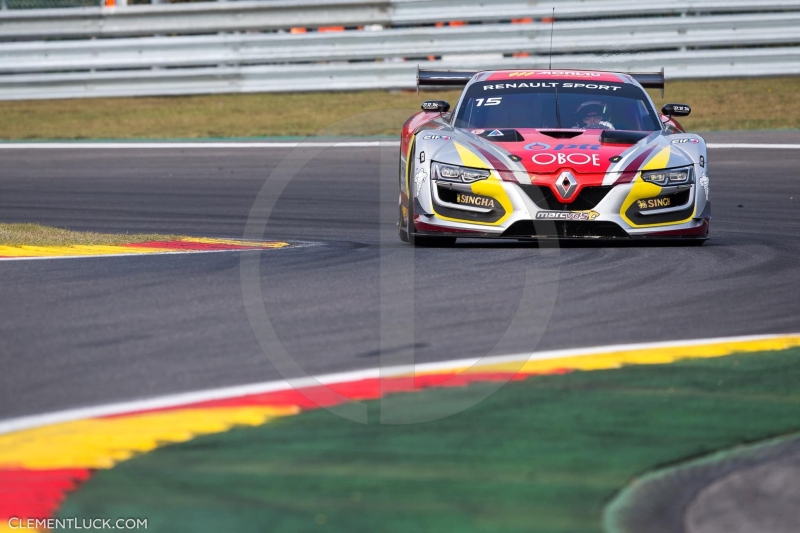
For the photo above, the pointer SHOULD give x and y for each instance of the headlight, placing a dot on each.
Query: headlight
(440, 171)
(675, 176)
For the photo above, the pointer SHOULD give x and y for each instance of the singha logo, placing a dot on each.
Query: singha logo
(642, 204)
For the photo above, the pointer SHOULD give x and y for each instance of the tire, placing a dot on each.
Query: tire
(401, 231)
(402, 228)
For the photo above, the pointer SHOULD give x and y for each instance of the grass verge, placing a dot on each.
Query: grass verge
(542, 455)
(38, 235)
(726, 104)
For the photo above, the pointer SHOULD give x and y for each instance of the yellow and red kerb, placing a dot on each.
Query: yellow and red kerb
(39, 466)
(182, 245)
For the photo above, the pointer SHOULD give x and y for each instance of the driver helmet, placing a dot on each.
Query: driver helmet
(587, 112)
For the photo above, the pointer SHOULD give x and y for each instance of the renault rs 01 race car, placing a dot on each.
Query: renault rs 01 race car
(563, 154)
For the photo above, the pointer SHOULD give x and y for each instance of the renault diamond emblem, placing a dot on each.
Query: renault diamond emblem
(566, 184)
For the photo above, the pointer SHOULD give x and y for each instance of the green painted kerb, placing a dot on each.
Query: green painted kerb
(543, 455)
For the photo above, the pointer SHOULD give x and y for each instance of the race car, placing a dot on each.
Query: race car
(551, 154)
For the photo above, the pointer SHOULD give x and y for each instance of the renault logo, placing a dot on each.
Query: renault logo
(566, 184)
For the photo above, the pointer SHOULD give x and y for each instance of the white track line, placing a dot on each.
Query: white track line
(175, 400)
(755, 146)
(310, 144)
(173, 145)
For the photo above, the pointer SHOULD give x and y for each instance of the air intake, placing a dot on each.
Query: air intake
(623, 136)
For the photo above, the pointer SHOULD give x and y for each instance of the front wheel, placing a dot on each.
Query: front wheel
(401, 226)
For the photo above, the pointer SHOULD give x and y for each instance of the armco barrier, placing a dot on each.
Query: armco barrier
(255, 15)
(359, 76)
(619, 35)
(710, 38)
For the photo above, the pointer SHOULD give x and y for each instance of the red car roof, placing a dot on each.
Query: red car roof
(510, 75)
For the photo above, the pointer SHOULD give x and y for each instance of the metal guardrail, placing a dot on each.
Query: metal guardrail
(360, 76)
(242, 49)
(212, 17)
(720, 38)
(45, 4)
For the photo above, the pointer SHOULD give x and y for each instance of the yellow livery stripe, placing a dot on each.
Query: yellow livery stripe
(660, 160)
(491, 187)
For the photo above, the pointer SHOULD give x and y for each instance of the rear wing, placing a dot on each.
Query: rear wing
(447, 79)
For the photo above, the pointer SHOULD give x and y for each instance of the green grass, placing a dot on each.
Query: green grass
(762, 103)
(38, 235)
(543, 455)
(736, 104)
(231, 115)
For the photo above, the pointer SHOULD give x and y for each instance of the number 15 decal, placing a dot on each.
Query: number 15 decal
(489, 101)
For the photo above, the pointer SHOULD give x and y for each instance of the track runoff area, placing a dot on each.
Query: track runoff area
(277, 454)
(532, 464)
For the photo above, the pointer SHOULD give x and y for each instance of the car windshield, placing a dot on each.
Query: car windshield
(556, 104)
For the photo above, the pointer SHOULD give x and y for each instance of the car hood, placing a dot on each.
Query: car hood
(594, 157)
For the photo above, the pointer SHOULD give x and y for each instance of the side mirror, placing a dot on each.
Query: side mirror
(676, 110)
(435, 106)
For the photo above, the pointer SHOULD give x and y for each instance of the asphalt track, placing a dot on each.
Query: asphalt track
(80, 332)
(749, 499)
